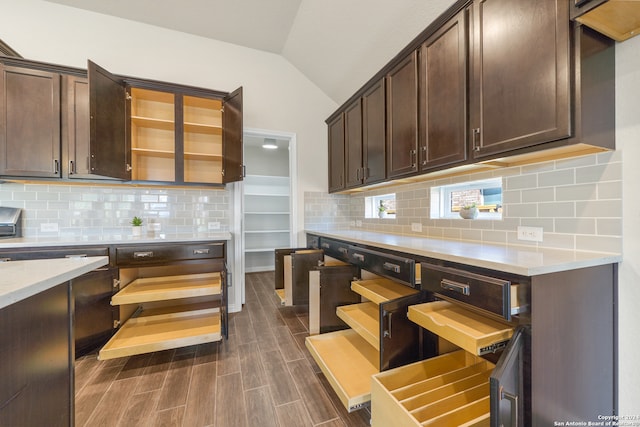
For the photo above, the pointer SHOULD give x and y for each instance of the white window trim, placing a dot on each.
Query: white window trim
(441, 198)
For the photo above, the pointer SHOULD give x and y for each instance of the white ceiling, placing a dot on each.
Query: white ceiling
(337, 44)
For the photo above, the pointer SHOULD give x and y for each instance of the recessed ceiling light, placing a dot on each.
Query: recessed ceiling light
(270, 144)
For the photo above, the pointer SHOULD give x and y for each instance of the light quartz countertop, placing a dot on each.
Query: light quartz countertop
(110, 239)
(22, 279)
(522, 260)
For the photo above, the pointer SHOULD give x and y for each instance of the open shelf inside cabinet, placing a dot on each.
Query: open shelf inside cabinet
(168, 287)
(348, 362)
(164, 328)
(152, 135)
(202, 139)
(471, 331)
(451, 389)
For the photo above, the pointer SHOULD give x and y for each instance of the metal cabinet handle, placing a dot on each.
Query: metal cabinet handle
(513, 400)
(72, 168)
(391, 267)
(146, 254)
(387, 332)
(5, 259)
(476, 139)
(326, 245)
(450, 285)
(359, 257)
(413, 158)
(56, 166)
(343, 251)
(200, 251)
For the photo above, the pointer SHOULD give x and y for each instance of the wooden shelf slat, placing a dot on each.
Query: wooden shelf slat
(381, 290)
(364, 319)
(348, 362)
(464, 328)
(150, 122)
(148, 333)
(168, 287)
(202, 128)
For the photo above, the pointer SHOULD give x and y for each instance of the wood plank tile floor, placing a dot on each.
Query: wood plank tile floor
(261, 376)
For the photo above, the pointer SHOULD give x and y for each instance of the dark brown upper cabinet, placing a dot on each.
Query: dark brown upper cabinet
(108, 108)
(161, 132)
(374, 133)
(335, 127)
(520, 75)
(29, 122)
(443, 95)
(353, 144)
(402, 117)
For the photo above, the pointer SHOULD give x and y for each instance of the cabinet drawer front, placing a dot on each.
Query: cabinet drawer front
(392, 266)
(154, 254)
(492, 295)
(313, 242)
(335, 249)
(53, 253)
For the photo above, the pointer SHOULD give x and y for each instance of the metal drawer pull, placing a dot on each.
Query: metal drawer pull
(200, 251)
(513, 400)
(5, 259)
(391, 267)
(359, 257)
(326, 245)
(146, 254)
(343, 251)
(450, 285)
(76, 256)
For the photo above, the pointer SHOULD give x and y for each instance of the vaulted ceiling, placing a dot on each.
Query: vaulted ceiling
(337, 44)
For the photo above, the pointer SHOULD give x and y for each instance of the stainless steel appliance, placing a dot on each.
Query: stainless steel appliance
(10, 222)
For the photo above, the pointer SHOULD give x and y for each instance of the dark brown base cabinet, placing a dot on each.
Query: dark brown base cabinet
(36, 364)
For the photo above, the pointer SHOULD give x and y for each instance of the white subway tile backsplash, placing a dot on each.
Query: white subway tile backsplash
(93, 210)
(577, 192)
(577, 202)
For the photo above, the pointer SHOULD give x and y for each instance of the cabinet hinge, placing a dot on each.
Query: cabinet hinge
(129, 168)
(116, 324)
(222, 109)
(127, 96)
(116, 283)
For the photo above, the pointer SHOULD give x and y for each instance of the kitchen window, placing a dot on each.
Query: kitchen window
(383, 206)
(484, 195)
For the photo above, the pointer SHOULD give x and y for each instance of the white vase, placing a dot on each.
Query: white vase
(136, 230)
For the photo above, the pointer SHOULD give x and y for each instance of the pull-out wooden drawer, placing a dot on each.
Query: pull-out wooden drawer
(348, 362)
(164, 328)
(381, 337)
(168, 287)
(475, 333)
(447, 390)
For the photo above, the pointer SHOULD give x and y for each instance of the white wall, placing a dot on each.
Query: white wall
(276, 95)
(628, 141)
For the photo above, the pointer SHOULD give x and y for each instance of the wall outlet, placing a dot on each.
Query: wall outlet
(358, 223)
(215, 225)
(51, 227)
(416, 226)
(532, 234)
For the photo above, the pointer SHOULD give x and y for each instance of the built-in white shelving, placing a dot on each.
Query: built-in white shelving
(267, 219)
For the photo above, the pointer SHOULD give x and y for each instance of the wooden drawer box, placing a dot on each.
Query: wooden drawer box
(447, 390)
